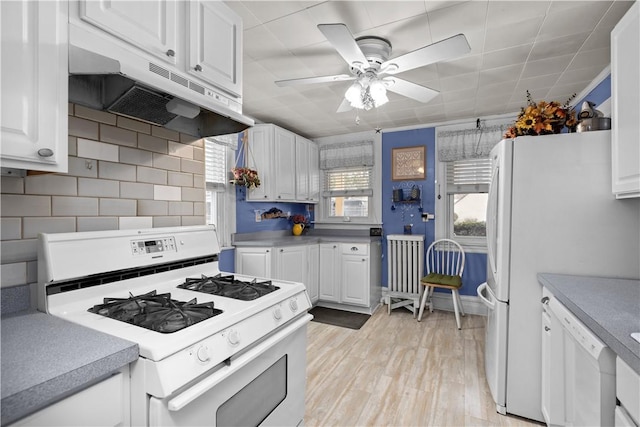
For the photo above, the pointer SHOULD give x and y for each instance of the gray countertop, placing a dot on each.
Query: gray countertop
(45, 359)
(285, 238)
(609, 307)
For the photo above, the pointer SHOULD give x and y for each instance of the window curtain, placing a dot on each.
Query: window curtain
(347, 154)
(473, 143)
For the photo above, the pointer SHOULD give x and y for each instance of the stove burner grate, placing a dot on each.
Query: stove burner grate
(157, 312)
(229, 286)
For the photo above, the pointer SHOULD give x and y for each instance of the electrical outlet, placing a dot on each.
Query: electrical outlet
(426, 216)
(258, 216)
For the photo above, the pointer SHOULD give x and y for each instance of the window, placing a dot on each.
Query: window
(220, 195)
(464, 201)
(347, 182)
(348, 192)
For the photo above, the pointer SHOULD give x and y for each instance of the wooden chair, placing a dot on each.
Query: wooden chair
(445, 264)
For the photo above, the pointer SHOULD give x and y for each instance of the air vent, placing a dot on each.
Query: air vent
(196, 87)
(180, 80)
(159, 70)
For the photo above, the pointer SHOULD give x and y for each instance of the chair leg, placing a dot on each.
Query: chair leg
(460, 302)
(387, 300)
(425, 294)
(455, 307)
(431, 290)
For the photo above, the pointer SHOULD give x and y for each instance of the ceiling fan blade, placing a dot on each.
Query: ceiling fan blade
(312, 80)
(345, 44)
(445, 49)
(344, 106)
(410, 90)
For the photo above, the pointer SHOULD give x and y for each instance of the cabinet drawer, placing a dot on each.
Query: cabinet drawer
(628, 389)
(355, 248)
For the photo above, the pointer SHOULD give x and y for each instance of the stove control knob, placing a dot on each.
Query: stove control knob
(294, 305)
(277, 313)
(203, 354)
(233, 337)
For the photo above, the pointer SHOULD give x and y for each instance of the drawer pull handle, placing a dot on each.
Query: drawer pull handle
(353, 248)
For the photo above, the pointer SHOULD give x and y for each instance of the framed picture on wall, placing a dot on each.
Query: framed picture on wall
(408, 163)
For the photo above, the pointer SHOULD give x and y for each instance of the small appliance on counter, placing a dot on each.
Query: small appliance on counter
(592, 119)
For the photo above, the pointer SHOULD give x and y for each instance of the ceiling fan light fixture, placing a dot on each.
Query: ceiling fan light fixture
(353, 94)
(378, 93)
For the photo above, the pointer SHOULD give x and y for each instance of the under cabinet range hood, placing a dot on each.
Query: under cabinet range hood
(151, 92)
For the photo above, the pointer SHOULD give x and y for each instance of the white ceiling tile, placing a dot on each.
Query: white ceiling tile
(497, 75)
(260, 43)
(463, 18)
(296, 30)
(591, 58)
(545, 82)
(560, 46)
(612, 16)
(571, 17)
(597, 40)
(580, 75)
(501, 13)
(546, 66)
(341, 12)
(464, 81)
(508, 34)
(504, 57)
(384, 12)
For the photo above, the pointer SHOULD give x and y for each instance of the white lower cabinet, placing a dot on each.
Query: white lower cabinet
(105, 403)
(628, 394)
(254, 261)
(344, 274)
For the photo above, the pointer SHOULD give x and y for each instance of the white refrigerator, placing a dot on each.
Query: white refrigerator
(550, 210)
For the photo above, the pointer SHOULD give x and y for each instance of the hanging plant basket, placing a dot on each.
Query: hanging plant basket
(243, 175)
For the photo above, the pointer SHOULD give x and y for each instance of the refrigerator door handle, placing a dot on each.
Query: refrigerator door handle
(491, 221)
(487, 300)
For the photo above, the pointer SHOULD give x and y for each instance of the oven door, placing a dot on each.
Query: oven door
(263, 386)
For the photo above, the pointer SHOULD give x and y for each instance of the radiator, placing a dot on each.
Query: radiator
(405, 254)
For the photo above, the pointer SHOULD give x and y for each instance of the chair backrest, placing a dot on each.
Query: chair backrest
(445, 256)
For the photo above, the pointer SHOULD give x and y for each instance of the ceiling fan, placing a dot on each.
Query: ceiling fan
(373, 71)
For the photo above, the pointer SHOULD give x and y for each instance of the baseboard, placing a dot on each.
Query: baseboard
(347, 307)
(442, 301)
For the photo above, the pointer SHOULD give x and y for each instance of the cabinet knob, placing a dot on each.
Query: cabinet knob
(197, 68)
(281, 250)
(267, 250)
(363, 259)
(354, 248)
(45, 152)
(547, 329)
(171, 53)
(545, 300)
(334, 246)
(265, 196)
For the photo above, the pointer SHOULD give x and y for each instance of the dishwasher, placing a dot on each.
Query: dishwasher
(588, 367)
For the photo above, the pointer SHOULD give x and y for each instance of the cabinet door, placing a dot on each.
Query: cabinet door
(260, 158)
(254, 262)
(313, 274)
(329, 286)
(285, 164)
(215, 47)
(302, 169)
(355, 279)
(34, 85)
(291, 263)
(625, 97)
(149, 25)
(314, 173)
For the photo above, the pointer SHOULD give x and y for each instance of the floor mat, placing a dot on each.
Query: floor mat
(345, 319)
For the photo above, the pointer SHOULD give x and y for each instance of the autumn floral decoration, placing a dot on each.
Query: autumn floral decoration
(543, 118)
(246, 177)
(299, 219)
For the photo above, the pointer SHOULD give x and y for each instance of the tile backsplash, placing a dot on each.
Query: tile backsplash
(123, 173)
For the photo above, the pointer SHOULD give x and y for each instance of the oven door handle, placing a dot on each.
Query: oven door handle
(192, 393)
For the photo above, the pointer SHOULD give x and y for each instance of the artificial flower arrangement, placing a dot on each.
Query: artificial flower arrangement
(246, 177)
(543, 118)
(299, 219)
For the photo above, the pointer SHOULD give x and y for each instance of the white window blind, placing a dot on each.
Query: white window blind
(348, 182)
(346, 154)
(216, 165)
(468, 176)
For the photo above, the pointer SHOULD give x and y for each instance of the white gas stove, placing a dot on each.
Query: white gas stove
(197, 328)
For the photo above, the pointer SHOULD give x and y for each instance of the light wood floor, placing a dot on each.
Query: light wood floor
(396, 371)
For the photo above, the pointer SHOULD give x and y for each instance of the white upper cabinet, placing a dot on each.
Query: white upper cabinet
(215, 47)
(272, 153)
(307, 171)
(625, 97)
(202, 38)
(149, 25)
(34, 85)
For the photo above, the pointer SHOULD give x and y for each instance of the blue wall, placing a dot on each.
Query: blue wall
(475, 269)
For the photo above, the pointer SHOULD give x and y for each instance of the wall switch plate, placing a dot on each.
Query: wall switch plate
(375, 231)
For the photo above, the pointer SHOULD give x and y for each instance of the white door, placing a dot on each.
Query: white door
(259, 157)
(215, 48)
(149, 25)
(254, 262)
(499, 220)
(313, 275)
(329, 286)
(355, 279)
(285, 164)
(302, 168)
(495, 357)
(291, 263)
